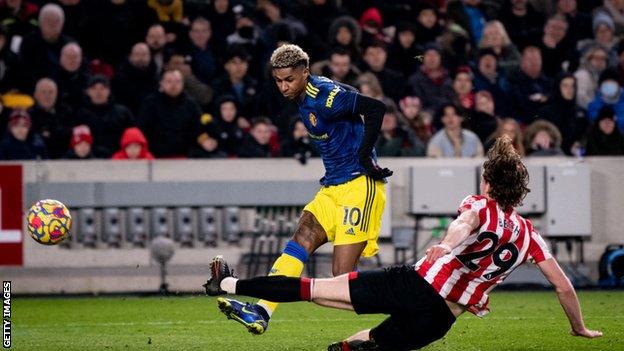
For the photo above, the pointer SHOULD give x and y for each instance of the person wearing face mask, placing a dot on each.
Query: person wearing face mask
(609, 93)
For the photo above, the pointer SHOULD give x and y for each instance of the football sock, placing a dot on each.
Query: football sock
(229, 285)
(275, 288)
(290, 264)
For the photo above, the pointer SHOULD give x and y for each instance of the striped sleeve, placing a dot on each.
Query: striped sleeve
(538, 249)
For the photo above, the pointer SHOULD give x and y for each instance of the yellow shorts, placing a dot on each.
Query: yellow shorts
(351, 212)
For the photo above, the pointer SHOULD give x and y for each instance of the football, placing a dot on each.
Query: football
(49, 222)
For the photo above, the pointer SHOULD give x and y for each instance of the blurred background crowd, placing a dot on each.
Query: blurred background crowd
(135, 79)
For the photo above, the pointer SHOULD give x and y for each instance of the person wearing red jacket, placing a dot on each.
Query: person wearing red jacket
(133, 146)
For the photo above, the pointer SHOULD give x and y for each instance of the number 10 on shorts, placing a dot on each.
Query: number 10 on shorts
(352, 216)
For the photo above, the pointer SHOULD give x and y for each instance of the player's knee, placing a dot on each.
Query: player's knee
(340, 269)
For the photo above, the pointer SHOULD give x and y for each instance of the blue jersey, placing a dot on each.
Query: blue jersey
(328, 112)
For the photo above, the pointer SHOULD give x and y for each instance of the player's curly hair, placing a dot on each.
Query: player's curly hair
(289, 56)
(506, 174)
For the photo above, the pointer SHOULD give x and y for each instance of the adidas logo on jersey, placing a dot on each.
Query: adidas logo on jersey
(350, 231)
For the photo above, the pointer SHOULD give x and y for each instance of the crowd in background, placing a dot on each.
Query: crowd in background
(135, 79)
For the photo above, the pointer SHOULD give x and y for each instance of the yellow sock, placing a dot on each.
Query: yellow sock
(290, 263)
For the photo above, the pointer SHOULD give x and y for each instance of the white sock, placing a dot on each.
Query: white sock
(229, 285)
(268, 310)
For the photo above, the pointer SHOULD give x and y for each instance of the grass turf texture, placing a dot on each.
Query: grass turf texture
(519, 321)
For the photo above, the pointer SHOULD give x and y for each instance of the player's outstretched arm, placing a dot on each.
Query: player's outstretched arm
(457, 232)
(567, 297)
(373, 111)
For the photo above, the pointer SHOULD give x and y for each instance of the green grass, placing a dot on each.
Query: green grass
(519, 321)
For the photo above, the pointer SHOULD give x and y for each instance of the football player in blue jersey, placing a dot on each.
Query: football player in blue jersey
(347, 209)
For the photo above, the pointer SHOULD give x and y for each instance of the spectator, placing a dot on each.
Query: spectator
(563, 111)
(418, 120)
(463, 88)
(427, 26)
(125, 24)
(136, 78)
(78, 22)
(237, 82)
(368, 84)
(204, 63)
(81, 144)
(298, 143)
(345, 33)
(580, 22)
(281, 27)
(223, 21)
(483, 120)
(9, 70)
(19, 143)
(106, 119)
(495, 37)
(553, 47)
(395, 141)
(209, 142)
(593, 62)
(471, 15)
(51, 119)
(133, 146)
(156, 39)
(523, 23)
(604, 36)
(453, 140)
(620, 65)
(371, 23)
(72, 77)
(226, 121)
(247, 34)
(615, 9)
(338, 67)
(511, 128)
(375, 56)
(529, 86)
(256, 142)
(318, 16)
(40, 51)
(609, 93)
(168, 10)
(603, 138)
(489, 77)
(431, 82)
(543, 139)
(199, 92)
(170, 119)
(403, 51)
(20, 18)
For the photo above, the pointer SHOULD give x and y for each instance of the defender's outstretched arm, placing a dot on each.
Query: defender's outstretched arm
(567, 297)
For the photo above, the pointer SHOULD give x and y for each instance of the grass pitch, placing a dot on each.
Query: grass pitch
(519, 321)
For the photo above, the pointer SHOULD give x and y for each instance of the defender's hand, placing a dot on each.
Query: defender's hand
(437, 251)
(373, 170)
(586, 333)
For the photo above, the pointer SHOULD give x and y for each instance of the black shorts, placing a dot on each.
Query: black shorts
(418, 314)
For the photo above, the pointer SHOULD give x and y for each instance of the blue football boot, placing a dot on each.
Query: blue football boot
(252, 316)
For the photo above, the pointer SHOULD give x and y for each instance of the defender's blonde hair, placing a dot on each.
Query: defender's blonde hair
(289, 55)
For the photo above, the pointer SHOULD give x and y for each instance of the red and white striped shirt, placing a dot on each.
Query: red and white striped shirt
(502, 242)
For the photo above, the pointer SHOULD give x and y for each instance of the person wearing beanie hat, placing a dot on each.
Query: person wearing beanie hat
(602, 18)
(604, 138)
(106, 119)
(80, 144)
(463, 87)
(603, 35)
(19, 143)
(609, 93)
